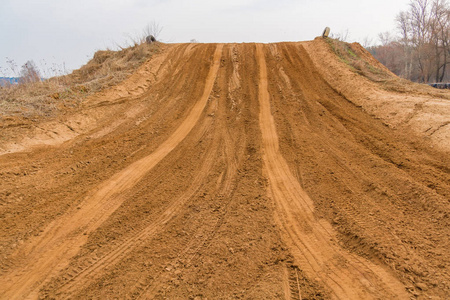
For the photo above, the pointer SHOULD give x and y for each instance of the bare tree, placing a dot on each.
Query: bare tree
(439, 25)
(153, 29)
(421, 36)
(29, 73)
(424, 30)
(342, 36)
(386, 38)
(12, 66)
(367, 42)
(404, 25)
(421, 52)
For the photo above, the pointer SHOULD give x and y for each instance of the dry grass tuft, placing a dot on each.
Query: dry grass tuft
(358, 64)
(362, 62)
(46, 98)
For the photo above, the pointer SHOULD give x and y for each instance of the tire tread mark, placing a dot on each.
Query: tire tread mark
(95, 266)
(347, 276)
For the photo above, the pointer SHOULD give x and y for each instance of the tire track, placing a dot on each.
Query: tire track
(311, 240)
(148, 288)
(378, 213)
(51, 251)
(80, 278)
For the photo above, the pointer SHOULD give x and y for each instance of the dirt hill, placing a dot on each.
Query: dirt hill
(233, 171)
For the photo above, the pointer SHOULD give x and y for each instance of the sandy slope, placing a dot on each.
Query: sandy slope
(230, 171)
(398, 103)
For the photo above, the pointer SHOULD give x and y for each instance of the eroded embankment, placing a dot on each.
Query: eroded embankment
(417, 108)
(236, 171)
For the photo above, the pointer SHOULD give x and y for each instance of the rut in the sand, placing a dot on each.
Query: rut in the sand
(312, 241)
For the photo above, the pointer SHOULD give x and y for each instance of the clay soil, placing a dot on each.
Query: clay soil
(232, 171)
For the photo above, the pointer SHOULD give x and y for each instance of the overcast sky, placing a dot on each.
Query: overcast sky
(57, 32)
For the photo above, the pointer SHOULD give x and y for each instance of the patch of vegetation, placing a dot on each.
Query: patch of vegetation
(363, 63)
(356, 63)
(33, 99)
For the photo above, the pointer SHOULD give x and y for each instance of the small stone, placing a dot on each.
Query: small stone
(421, 286)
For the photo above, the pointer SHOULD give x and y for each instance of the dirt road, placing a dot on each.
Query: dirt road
(233, 171)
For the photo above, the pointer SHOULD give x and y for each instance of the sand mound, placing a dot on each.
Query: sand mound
(228, 171)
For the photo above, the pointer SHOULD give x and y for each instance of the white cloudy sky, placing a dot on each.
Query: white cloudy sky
(53, 32)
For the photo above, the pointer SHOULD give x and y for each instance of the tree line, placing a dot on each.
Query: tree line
(421, 50)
